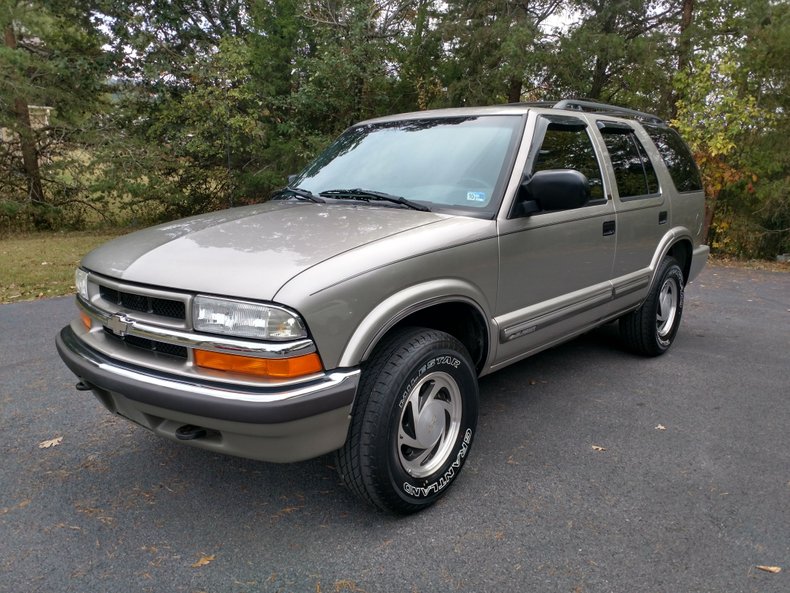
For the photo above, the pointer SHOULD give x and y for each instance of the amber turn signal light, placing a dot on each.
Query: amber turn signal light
(86, 321)
(278, 368)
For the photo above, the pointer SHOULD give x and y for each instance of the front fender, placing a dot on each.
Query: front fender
(400, 305)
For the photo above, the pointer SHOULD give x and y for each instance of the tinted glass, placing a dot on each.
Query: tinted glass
(570, 147)
(453, 162)
(650, 172)
(677, 158)
(633, 171)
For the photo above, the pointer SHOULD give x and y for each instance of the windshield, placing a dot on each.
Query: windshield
(457, 163)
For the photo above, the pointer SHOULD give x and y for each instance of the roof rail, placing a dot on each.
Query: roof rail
(534, 103)
(595, 106)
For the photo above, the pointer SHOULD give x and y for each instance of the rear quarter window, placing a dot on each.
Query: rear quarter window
(677, 157)
(633, 169)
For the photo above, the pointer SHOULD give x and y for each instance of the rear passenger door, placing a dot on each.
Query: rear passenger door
(642, 209)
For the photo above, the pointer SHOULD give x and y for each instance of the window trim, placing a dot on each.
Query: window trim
(542, 124)
(616, 128)
(650, 129)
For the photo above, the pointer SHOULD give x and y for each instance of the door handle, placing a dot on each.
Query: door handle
(608, 228)
(662, 217)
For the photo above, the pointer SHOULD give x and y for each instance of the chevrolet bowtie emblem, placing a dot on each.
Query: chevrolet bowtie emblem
(119, 324)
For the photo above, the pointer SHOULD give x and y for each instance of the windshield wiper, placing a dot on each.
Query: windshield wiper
(298, 193)
(366, 194)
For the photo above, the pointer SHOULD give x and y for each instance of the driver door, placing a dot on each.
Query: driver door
(555, 267)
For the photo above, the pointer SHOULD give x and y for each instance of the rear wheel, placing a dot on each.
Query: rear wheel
(413, 421)
(651, 329)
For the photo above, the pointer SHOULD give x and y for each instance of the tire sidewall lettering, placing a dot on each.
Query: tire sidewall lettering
(430, 365)
(431, 487)
(444, 480)
(681, 293)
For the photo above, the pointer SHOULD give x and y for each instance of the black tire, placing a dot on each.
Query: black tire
(385, 460)
(651, 329)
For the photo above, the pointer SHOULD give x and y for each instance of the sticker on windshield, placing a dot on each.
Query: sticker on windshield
(475, 196)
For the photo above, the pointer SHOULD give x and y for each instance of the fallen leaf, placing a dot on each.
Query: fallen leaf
(661, 427)
(203, 560)
(20, 505)
(347, 585)
(50, 443)
(286, 511)
(771, 569)
(598, 448)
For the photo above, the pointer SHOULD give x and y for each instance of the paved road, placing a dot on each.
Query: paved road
(692, 508)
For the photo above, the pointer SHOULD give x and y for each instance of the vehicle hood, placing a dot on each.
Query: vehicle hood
(249, 252)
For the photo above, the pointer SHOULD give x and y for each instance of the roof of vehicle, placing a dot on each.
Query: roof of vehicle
(573, 105)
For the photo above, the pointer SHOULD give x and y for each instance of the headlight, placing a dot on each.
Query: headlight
(246, 320)
(81, 282)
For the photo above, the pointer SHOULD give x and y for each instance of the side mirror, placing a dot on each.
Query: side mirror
(555, 189)
(292, 178)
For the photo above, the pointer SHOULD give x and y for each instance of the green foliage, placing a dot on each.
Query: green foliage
(619, 51)
(51, 57)
(733, 110)
(714, 115)
(495, 47)
(163, 109)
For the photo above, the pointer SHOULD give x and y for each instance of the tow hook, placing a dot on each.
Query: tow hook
(83, 386)
(189, 432)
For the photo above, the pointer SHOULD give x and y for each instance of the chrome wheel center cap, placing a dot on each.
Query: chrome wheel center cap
(430, 424)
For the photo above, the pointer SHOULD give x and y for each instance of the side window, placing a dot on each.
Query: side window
(567, 145)
(677, 158)
(633, 170)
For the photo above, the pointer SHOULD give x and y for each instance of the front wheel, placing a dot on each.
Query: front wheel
(413, 421)
(651, 329)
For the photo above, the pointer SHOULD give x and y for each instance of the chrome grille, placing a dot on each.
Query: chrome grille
(144, 304)
(150, 345)
(152, 329)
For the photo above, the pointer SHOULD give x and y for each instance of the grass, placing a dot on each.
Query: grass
(41, 265)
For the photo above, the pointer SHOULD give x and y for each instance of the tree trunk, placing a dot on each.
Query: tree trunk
(710, 213)
(514, 90)
(599, 80)
(417, 70)
(603, 59)
(27, 140)
(684, 49)
(684, 41)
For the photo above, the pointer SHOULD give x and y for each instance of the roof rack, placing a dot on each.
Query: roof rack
(596, 107)
(548, 104)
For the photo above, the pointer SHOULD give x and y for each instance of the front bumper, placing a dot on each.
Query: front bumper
(269, 423)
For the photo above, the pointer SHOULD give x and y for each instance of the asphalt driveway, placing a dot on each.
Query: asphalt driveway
(592, 471)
